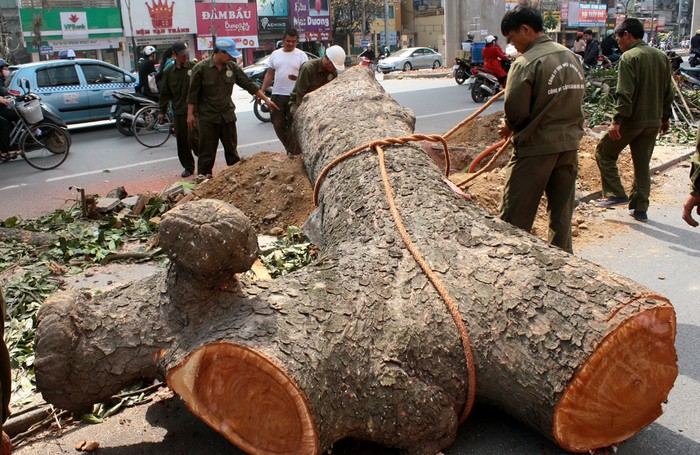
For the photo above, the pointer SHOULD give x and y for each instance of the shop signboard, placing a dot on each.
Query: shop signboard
(238, 21)
(73, 25)
(312, 18)
(592, 15)
(273, 17)
(158, 17)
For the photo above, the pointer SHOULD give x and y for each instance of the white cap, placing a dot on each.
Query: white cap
(336, 55)
(489, 39)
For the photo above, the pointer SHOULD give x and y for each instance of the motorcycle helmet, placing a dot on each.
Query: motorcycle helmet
(579, 35)
(3, 63)
(149, 50)
(279, 44)
(490, 39)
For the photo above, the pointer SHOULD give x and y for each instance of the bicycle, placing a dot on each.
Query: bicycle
(148, 130)
(41, 144)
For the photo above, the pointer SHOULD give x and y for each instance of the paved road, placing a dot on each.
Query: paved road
(102, 159)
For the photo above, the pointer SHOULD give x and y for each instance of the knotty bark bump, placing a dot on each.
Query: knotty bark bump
(359, 343)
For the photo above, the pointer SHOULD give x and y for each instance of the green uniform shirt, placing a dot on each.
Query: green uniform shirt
(211, 89)
(311, 76)
(543, 99)
(174, 87)
(695, 170)
(644, 93)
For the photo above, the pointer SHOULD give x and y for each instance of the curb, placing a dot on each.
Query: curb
(401, 75)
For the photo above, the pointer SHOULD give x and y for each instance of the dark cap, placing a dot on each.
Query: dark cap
(180, 48)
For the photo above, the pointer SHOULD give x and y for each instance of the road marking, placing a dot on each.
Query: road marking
(9, 187)
(143, 163)
(446, 113)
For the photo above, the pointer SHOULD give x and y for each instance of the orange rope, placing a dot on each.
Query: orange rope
(473, 116)
(388, 141)
(435, 280)
(500, 151)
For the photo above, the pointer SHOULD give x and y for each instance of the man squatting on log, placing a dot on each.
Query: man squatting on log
(360, 343)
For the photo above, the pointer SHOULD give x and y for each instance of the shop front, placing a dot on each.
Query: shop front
(89, 32)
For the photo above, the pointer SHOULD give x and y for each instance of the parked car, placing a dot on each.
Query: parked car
(411, 58)
(257, 70)
(80, 90)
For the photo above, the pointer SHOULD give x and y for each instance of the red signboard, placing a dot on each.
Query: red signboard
(233, 20)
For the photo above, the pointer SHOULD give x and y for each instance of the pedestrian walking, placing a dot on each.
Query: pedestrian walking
(282, 74)
(644, 95)
(211, 86)
(542, 109)
(175, 85)
(592, 50)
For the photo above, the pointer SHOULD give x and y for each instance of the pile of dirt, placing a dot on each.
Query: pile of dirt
(274, 191)
(271, 189)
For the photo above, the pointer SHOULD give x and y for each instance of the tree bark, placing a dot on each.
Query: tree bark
(360, 343)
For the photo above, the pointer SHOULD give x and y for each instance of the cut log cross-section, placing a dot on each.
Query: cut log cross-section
(359, 343)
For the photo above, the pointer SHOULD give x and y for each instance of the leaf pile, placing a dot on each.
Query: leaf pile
(599, 101)
(293, 252)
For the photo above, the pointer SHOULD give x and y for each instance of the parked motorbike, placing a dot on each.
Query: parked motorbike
(124, 111)
(461, 70)
(690, 78)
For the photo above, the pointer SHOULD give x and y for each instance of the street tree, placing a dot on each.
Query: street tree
(348, 15)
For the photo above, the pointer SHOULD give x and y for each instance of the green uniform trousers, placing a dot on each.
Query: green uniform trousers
(527, 178)
(209, 136)
(187, 141)
(641, 142)
(282, 122)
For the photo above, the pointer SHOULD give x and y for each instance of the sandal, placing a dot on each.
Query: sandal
(5, 156)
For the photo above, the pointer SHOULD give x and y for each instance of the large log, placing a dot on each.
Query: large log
(360, 343)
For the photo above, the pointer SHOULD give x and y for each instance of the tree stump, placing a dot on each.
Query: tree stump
(360, 343)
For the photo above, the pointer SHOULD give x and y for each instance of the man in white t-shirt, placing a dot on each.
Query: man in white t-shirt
(284, 67)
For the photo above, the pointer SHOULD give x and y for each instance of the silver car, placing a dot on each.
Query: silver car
(411, 58)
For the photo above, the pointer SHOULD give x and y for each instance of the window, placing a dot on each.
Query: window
(101, 74)
(57, 76)
(391, 12)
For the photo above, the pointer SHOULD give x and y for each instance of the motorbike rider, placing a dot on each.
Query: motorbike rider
(579, 44)
(609, 47)
(493, 56)
(8, 115)
(368, 53)
(147, 67)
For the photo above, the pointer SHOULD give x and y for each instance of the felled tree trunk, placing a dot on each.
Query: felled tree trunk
(360, 344)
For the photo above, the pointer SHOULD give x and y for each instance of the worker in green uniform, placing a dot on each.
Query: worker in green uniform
(642, 110)
(211, 86)
(316, 73)
(542, 109)
(693, 200)
(175, 84)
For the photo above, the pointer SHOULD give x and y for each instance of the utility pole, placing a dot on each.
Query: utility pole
(364, 31)
(386, 23)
